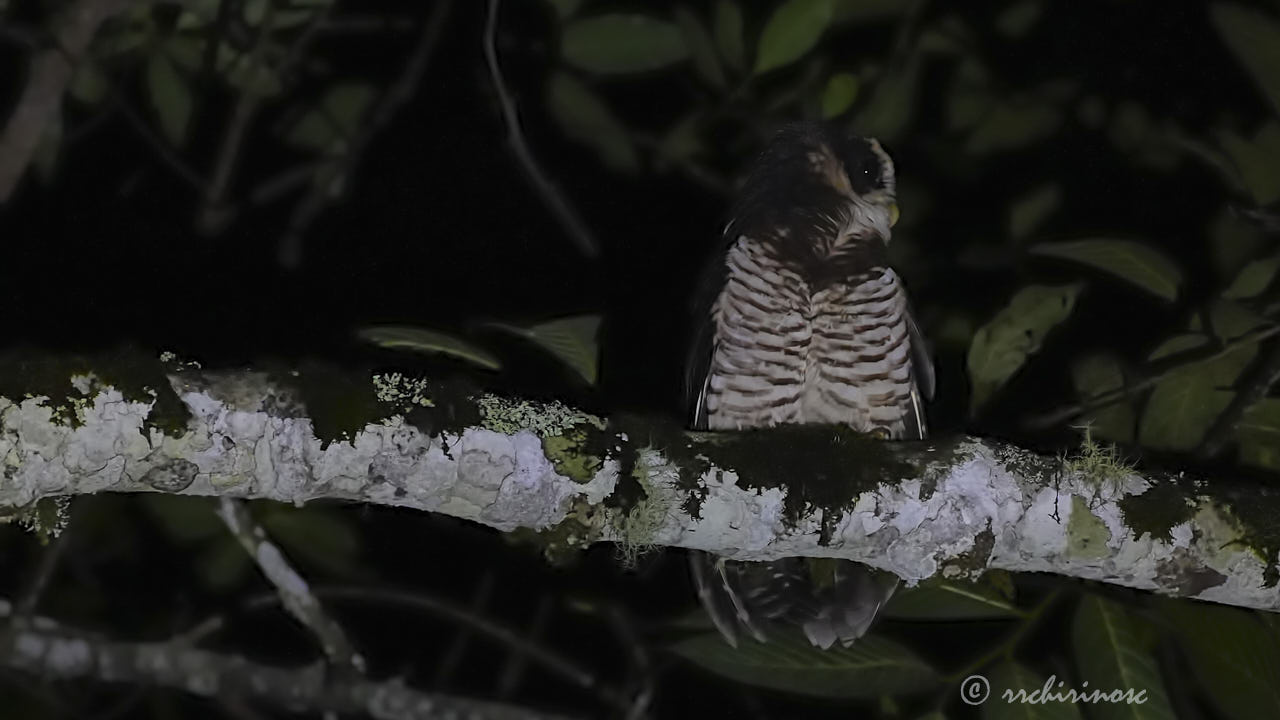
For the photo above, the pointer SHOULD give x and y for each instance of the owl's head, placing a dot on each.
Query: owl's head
(820, 185)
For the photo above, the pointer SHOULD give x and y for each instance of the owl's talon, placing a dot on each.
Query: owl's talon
(880, 434)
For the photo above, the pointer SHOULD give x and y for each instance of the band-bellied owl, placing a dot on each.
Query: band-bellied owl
(806, 323)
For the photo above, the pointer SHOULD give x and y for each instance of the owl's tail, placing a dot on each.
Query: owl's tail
(831, 600)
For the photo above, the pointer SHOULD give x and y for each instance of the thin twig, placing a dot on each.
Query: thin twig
(1254, 386)
(295, 593)
(1160, 370)
(517, 663)
(51, 70)
(215, 211)
(67, 653)
(289, 248)
(453, 656)
(569, 218)
(557, 664)
(27, 602)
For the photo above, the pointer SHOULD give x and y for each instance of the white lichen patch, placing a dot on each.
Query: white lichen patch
(543, 419)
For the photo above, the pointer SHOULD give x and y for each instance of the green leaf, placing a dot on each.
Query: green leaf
(584, 117)
(1233, 241)
(871, 667)
(1021, 681)
(1233, 654)
(1257, 160)
(888, 112)
(1132, 261)
(1001, 347)
(1110, 657)
(1253, 279)
(329, 127)
(1030, 210)
(1011, 126)
(1018, 18)
(793, 30)
(320, 537)
(838, 96)
(88, 85)
(224, 564)
(186, 519)
(572, 340)
(705, 61)
(681, 142)
(170, 97)
(728, 29)
(622, 43)
(565, 8)
(1259, 434)
(1254, 38)
(1180, 411)
(853, 12)
(396, 337)
(950, 600)
(1097, 374)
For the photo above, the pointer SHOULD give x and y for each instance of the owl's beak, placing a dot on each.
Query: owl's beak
(893, 214)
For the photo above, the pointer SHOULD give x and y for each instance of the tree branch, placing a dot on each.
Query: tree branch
(950, 506)
(41, 99)
(49, 651)
(294, 591)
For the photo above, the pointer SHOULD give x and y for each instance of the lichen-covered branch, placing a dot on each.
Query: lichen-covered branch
(950, 507)
(47, 650)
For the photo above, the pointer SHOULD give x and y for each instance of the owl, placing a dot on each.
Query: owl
(803, 321)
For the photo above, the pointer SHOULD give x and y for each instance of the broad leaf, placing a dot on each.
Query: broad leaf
(728, 30)
(1258, 161)
(330, 126)
(1001, 347)
(1233, 654)
(1011, 126)
(854, 12)
(396, 337)
(870, 667)
(1253, 279)
(584, 117)
(1132, 261)
(950, 600)
(1098, 374)
(889, 110)
(1030, 210)
(1018, 18)
(622, 43)
(792, 30)
(1020, 682)
(1259, 434)
(705, 61)
(184, 518)
(1254, 38)
(565, 8)
(1185, 403)
(170, 97)
(572, 340)
(838, 96)
(1110, 657)
(320, 537)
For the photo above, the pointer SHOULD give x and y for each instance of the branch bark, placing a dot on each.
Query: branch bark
(45, 649)
(952, 506)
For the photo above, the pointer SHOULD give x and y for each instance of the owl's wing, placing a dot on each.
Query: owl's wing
(923, 381)
(702, 345)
